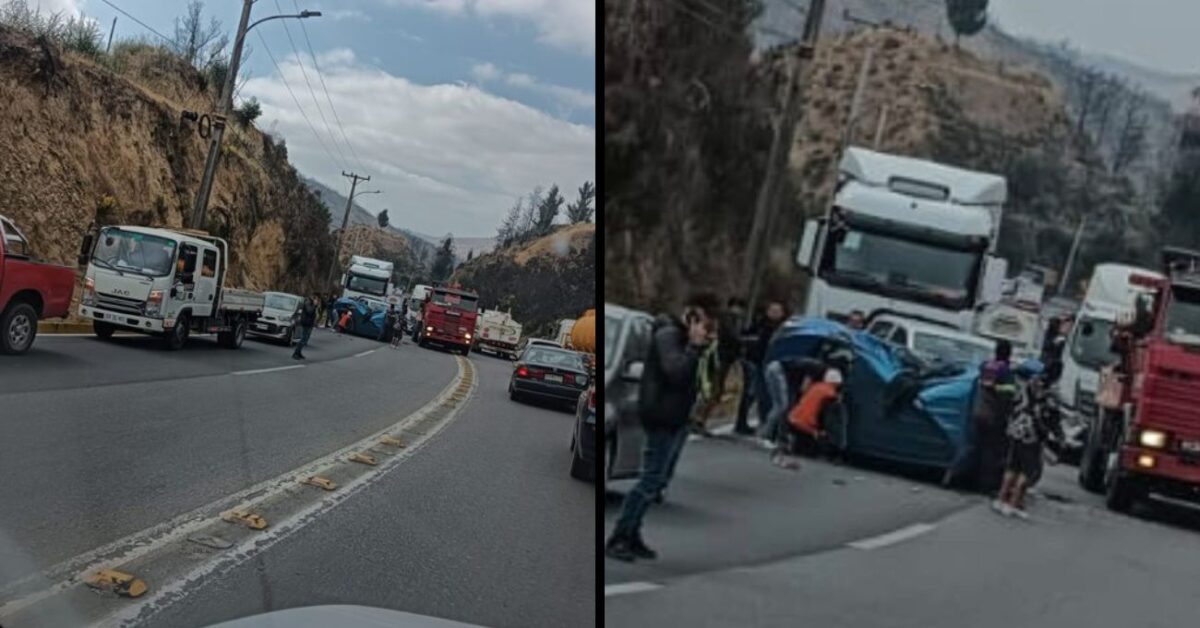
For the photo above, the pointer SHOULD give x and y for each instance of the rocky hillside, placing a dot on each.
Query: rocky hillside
(541, 281)
(336, 202)
(84, 142)
(387, 245)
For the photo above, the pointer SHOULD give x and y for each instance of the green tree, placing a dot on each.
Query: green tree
(581, 210)
(548, 211)
(443, 260)
(248, 112)
(967, 17)
(382, 218)
(507, 232)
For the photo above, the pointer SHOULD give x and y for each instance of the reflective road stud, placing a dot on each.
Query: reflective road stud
(364, 458)
(319, 482)
(249, 519)
(118, 582)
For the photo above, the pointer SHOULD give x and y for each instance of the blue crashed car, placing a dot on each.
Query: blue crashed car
(897, 407)
(366, 316)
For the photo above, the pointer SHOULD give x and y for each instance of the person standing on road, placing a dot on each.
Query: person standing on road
(666, 396)
(308, 318)
(708, 391)
(1031, 426)
(993, 404)
(776, 314)
(397, 331)
(330, 314)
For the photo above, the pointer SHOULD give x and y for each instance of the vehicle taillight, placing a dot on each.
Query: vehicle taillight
(568, 378)
(522, 371)
(592, 400)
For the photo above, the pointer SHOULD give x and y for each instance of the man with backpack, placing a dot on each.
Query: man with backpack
(994, 398)
(666, 396)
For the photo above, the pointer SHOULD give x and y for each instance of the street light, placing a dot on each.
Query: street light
(225, 105)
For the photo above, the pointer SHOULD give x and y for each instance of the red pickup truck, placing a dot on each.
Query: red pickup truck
(29, 290)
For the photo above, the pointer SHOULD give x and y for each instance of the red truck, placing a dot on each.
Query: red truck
(1148, 439)
(29, 290)
(448, 318)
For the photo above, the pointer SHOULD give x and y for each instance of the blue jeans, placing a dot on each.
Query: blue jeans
(777, 392)
(305, 332)
(680, 440)
(660, 446)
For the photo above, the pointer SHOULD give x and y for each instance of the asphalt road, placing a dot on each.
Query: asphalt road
(483, 524)
(836, 546)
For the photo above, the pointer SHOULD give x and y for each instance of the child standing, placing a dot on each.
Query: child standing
(397, 331)
(1027, 430)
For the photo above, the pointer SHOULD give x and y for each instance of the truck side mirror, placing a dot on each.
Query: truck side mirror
(633, 371)
(808, 244)
(85, 249)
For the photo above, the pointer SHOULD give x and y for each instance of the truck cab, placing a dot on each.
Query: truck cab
(366, 277)
(169, 283)
(1148, 439)
(448, 318)
(907, 236)
(29, 290)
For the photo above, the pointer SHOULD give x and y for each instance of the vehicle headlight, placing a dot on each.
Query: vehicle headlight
(1153, 438)
(468, 336)
(429, 329)
(89, 291)
(154, 302)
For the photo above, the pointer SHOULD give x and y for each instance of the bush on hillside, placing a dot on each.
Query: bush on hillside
(248, 112)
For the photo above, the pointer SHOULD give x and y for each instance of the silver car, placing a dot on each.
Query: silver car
(281, 311)
(626, 344)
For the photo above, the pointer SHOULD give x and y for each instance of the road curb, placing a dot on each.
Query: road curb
(52, 327)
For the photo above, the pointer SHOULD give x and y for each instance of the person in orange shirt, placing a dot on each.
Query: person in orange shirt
(804, 419)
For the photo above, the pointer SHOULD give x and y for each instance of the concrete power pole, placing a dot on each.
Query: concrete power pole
(856, 101)
(785, 129)
(337, 253)
(110, 35)
(218, 125)
(1066, 274)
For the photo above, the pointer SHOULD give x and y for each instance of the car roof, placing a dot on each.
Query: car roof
(623, 312)
(933, 329)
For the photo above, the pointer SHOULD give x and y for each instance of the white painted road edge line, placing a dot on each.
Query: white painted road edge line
(893, 537)
(270, 370)
(362, 353)
(629, 587)
(65, 574)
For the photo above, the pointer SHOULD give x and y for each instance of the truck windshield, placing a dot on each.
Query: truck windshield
(888, 263)
(134, 252)
(1183, 313)
(367, 285)
(456, 301)
(1092, 345)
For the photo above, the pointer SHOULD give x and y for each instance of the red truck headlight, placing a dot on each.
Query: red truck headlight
(1154, 439)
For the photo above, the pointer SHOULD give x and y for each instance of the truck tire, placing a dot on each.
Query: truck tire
(233, 338)
(103, 330)
(1121, 489)
(18, 328)
(1091, 468)
(176, 337)
(466, 350)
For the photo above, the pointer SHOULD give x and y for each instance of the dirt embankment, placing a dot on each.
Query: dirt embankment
(541, 281)
(83, 143)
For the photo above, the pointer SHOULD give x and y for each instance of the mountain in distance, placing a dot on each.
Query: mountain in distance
(1175, 88)
(336, 202)
(463, 246)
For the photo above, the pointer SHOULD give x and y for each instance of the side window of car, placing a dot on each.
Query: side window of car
(880, 329)
(900, 336)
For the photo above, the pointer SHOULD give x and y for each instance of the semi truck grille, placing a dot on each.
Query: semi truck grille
(119, 304)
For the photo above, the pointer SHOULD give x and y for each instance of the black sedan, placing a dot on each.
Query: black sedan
(548, 373)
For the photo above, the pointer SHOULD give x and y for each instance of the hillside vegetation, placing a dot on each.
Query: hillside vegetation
(540, 281)
(85, 142)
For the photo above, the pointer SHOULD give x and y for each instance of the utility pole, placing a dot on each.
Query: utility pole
(883, 109)
(110, 35)
(856, 101)
(337, 253)
(1066, 274)
(218, 123)
(785, 129)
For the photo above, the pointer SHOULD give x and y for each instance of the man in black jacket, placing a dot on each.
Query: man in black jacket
(308, 318)
(752, 367)
(666, 396)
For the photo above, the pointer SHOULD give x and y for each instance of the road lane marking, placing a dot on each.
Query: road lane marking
(362, 353)
(629, 587)
(270, 370)
(63, 575)
(893, 537)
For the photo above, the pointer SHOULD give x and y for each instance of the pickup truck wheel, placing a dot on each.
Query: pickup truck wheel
(177, 336)
(233, 338)
(18, 327)
(103, 330)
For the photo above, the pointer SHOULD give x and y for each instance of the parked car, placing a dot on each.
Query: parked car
(530, 342)
(626, 345)
(548, 373)
(29, 290)
(932, 342)
(278, 321)
(583, 441)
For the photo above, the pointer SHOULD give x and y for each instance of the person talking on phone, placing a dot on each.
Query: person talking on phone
(665, 398)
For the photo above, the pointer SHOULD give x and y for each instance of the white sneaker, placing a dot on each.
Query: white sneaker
(997, 505)
(1019, 513)
(1006, 510)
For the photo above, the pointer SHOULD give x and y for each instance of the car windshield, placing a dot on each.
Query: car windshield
(947, 350)
(454, 300)
(1183, 313)
(548, 356)
(885, 262)
(1091, 345)
(134, 252)
(367, 285)
(281, 302)
(612, 329)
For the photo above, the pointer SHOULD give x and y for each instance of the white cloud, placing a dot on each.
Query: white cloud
(448, 157)
(566, 24)
(345, 14)
(67, 7)
(568, 98)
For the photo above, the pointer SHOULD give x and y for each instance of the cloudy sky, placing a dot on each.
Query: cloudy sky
(455, 108)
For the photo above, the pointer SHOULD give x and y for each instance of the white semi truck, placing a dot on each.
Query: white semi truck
(166, 282)
(906, 236)
(366, 277)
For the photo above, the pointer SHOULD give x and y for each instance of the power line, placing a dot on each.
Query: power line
(144, 25)
(320, 77)
(332, 138)
(294, 99)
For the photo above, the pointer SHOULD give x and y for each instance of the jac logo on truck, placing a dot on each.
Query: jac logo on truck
(123, 293)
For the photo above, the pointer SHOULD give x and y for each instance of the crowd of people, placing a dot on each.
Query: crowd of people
(798, 399)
